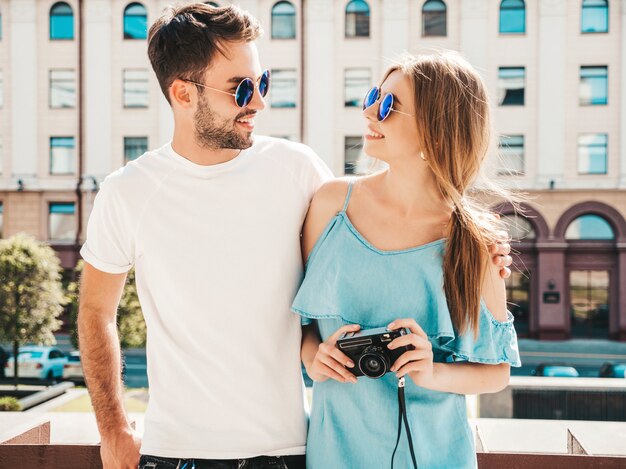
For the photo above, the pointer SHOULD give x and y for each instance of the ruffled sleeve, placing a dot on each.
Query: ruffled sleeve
(496, 342)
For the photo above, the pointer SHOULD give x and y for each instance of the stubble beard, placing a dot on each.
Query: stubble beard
(214, 133)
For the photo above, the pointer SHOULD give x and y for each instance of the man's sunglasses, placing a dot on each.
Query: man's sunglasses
(245, 90)
(384, 107)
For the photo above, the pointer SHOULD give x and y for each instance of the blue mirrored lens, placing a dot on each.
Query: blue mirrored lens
(385, 107)
(243, 95)
(264, 85)
(370, 97)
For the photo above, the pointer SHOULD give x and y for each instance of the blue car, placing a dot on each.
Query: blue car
(40, 362)
(555, 370)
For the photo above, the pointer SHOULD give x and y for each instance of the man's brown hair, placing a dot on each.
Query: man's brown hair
(186, 38)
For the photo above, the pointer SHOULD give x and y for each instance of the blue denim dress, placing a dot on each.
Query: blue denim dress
(349, 281)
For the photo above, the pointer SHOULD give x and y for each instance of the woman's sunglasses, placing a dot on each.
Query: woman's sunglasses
(384, 107)
(245, 90)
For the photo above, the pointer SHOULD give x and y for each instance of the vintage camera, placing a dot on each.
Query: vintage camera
(368, 350)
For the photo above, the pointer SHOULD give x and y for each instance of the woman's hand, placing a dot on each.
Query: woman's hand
(500, 254)
(330, 362)
(417, 363)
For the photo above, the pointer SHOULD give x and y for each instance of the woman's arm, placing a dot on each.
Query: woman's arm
(326, 202)
(470, 378)
(459, 377)
(323, 360)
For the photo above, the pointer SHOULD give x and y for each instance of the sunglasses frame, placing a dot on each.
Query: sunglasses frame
(266, 73)
(380, 100)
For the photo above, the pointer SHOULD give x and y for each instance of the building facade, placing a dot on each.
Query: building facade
(78, 99)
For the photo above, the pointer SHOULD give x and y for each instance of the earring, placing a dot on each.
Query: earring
(422, 156)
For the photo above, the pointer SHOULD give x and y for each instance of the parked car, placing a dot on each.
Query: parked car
(73, 369)
(555, 370)
(613, 370)
(38, 362)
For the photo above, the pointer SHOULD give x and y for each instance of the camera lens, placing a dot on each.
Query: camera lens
(373, 365)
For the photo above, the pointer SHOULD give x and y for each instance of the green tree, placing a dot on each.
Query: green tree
(31, 295)
(130, 323)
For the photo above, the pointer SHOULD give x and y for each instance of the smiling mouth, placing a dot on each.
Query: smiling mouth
(373, 134)
(248, 120)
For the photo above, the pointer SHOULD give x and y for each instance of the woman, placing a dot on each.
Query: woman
(407, 248)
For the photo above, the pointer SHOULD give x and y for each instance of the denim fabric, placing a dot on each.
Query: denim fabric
(260, 462)
(349, 281)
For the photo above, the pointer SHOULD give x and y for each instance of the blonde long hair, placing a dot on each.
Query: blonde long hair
(453, 118)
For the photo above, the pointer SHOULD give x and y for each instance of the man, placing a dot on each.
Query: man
(212, 224)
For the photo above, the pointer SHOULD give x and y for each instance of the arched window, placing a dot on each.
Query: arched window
(590, 227)
(512, 16)
(519, 228)
(434, 18)
(61, 21)
(135, 21)
(357, 19)
(283, 21)
(595, 16)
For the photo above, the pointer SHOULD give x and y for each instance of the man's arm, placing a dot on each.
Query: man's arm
(100, 294)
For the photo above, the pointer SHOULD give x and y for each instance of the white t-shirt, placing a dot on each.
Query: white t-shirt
(217, 257)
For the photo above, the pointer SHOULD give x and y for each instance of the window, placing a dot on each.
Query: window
(434, 18)
(135, 21)
(594, 17)
(357, 19)
(135, 87)
(593, 86)
(62, 89)
(61, 21)
(511, 155)
(518, 227)
(512, 16)
(590, 301)
(61, 221)
(54, 353)
(283, 90)
(134, 147)
(511, 86)
(592, 154)
(592, 227)
(1, 218)
(353, 147)
(283, 21)
(62, 159)
(357, 84)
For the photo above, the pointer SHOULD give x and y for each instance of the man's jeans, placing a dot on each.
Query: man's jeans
(260, 462)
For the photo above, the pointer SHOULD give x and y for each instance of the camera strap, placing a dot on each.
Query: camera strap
(402, 416)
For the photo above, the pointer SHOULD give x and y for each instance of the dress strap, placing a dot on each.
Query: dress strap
(345, 204)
